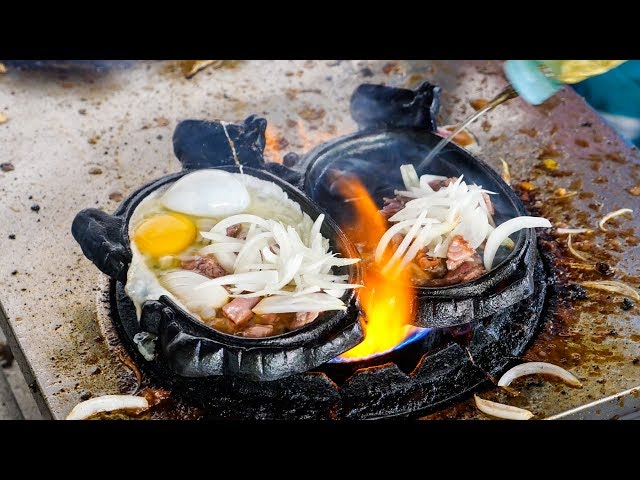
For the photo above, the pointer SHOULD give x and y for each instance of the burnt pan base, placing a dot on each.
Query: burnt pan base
(440, 377)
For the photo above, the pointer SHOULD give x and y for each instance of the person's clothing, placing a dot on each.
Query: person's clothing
(616, 96)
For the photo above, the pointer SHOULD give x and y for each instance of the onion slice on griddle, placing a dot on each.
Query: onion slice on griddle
(585, 257)
(611, 215)
(572, 231)
(107, 403)
(615, 287)
(531, 368)
(505, 229)
(500, 410)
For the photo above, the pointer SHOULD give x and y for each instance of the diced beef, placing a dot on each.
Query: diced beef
(435, 266)
(269, 318)
(239, 311)
(438, 184)
(466, 272)
(487, 200)
(303, 318)
(206, 266)
(257, 331)
(392, 206)
(459, 252)
(233, 230)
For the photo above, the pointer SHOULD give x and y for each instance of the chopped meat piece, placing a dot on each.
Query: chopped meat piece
(487, 200)
(459, 252)
(257, 331)
(438, 184)
(206, 266)
(303, 318)
(233, 230)
(239, 311)
(393, 206)
(464, 273)
(269, 318)
(396, 240)
(433, 265)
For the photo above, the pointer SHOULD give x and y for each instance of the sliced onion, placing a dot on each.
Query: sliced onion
(313, 302)
(506, 174)
(507, 228)
(226, 260)
(286, 274)
(386, 238)
(268, 255)
(222, 225)
(475, 228)
(263, 277)
(315, 229)
(409, 176)
(614, 287)
(194, 289)
(585, 257)
(611, 215)
(582, 266)
(107, 403)
(231, 247)
(426, 179)
(407, 193)
(249, 252)
(572, 231)
(327, 284)
(408, 238)
(308, 290)
(531, 368)
(500, 410)
(428, 233)
(219, 237)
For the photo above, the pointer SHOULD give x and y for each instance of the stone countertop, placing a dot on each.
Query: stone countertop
(88, 139)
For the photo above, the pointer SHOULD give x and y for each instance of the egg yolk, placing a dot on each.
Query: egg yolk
(165, 234)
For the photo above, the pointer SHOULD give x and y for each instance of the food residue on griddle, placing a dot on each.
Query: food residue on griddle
(191, 67)
(478, 103)
(311, 114)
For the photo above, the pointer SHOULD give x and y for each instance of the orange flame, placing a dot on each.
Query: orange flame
(274, 144)
(385, 299)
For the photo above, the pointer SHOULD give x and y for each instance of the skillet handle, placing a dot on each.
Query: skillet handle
(186, 354)
(100, 237)
(202, 144)
(379, 106)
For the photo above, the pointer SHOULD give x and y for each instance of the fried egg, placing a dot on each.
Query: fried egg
(164, 227)
(207, 193)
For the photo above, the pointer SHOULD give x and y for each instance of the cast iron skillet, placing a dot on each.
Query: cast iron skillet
(189, 347)
(397, 127)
